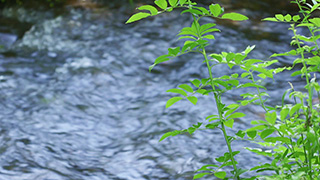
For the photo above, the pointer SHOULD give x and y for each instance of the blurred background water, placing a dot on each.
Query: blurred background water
(77, 101)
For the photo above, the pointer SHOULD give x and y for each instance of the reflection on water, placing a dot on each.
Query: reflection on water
(77, 100)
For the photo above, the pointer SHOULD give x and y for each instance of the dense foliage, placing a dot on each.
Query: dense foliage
(291, 129)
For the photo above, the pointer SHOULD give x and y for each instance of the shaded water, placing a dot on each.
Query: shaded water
(77, 100)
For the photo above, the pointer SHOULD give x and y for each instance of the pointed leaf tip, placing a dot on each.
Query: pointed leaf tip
(137, 17)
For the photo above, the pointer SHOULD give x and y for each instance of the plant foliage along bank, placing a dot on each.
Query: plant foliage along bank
(291, 129)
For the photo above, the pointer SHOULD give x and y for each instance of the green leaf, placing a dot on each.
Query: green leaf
(200, 175)
(249, 49)
(234, 16)
(270, 19)
(316, 6)
(259, 152)
(288, 17)
(192, 11)
(230, 56)
(239, 57)
(213, 125)
(209, 30)
(251, 85)
(191, 130)
(173, 3)
(275, 139)
(249, 62)
(150, 8)
(296, 18)
(220, 174)
(211, 116)
(206, 26)
(236, 115)
(193, 99)
(208, 37)
(161, 3)
(196, 82)
(241, 133)
(203, 10)
(280, 17)
(174, 51)
(178, 91)
(271, 117)
(284, 113)
(186, 87)
(245, 74)
(205, 167)
(315, 21)
(171, 133)
(182, 2)
(266, 133)
(137, 17)
(252, 134)
(215, 9)
(173, 100)
(294, 109)
(229, 123)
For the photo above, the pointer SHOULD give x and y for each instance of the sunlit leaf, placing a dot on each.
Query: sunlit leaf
(287, 17)
(205, 167)
(280, 17)
(186, 87)
(173, 100)
(174, 51)
(215, 9)
(270, 19)
(192, 11)
(271, 117)
(196, 82)
(266, 133)
(220, 174)
(296, 18)
(275, 139)
(173, 3)
(202, 9)
(241, 133)
(193, 99)
(208, 37)
(182, 2)
(294, 109)
(284, 113)
(200, 175)
(178, 91)
(252, 134)
(315, 21)
(137, 17)
(171, 133)
(234, 16)
(161, 3)
(229, 123)
(150, 8)
(236, 115)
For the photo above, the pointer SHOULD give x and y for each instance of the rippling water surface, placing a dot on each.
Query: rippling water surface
(77, 100)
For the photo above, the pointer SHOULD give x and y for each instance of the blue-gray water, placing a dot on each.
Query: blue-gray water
(77, 101)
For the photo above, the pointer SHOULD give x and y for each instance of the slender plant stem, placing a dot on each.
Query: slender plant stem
(218, 104)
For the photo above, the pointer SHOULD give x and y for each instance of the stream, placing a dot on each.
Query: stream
(77, 101)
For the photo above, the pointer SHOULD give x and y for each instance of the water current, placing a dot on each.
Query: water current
(77, 101)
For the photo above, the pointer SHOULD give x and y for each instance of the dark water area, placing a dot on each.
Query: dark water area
(77, 101)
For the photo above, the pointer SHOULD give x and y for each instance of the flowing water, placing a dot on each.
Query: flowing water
(77, 101)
